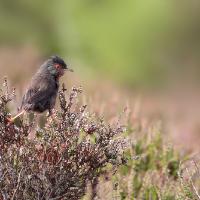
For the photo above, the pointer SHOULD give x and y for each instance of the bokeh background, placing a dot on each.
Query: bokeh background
(123, 52)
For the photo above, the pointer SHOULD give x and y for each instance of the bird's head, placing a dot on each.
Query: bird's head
(57, 66)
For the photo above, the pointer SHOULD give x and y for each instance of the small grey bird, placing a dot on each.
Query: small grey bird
(43, 89)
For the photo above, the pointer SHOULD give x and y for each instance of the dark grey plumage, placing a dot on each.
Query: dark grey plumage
(43, 89)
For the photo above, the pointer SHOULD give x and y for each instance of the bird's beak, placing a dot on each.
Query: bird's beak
(70, 70)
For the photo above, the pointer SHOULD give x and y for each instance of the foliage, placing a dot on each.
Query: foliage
(68, 153)
(75, 150)
(153, 171)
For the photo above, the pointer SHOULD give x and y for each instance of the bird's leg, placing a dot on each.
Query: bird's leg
(11, 120)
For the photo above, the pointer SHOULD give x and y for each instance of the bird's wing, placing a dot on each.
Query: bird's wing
(39, 90)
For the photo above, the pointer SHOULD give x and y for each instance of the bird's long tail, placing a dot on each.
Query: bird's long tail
(11, 120)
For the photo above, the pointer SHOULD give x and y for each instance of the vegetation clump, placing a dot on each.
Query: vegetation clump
(66, 155)
(75, 155)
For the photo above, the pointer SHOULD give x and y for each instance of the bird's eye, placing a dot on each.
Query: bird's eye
(57, 66)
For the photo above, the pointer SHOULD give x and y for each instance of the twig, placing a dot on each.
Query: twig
(193, 186)
(2, 177)
(197, 167)
(59, 197)
(18, 182)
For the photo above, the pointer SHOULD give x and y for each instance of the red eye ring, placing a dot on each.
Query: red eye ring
(57, 66)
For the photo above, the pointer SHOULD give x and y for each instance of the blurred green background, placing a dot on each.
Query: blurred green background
(134, 42)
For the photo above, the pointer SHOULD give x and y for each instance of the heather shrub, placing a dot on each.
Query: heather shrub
(69, 152)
